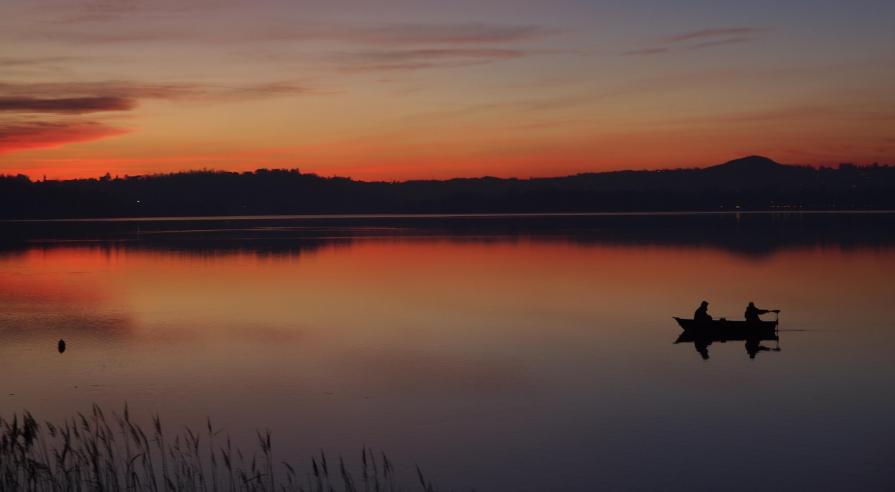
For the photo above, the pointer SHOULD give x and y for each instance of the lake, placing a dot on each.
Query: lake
(511, 353)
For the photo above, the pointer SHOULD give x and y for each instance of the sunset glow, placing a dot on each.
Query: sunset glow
(404, 90)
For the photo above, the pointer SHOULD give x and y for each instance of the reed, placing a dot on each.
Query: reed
(93, 452)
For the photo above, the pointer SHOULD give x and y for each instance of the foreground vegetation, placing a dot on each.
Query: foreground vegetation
(93, 452)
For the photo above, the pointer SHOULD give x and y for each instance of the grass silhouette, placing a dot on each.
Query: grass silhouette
(93, 452)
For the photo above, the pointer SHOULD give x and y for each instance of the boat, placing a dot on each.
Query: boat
(722, 330)
(708, 337)
(725, 324)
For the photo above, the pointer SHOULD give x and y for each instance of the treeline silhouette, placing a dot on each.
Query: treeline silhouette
(751, 183)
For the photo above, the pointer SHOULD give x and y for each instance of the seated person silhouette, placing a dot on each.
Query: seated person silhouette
(753, 313)
(702, 313)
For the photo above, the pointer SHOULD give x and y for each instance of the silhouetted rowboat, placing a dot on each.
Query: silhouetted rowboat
(706, 337)
(721, 329)
(725, 324)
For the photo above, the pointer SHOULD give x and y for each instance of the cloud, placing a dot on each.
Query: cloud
(284, 29)
(21, 101)
(458, 33)
(71, 105)
(647, 51)
(413, 59)
(98, 89)
(31, 135)
(697, 40)
(15, 62)
(712, 33)
(109, 11)
(269, 89)
(284, 22)
(117, 93)
(717, 42)
(102, 10)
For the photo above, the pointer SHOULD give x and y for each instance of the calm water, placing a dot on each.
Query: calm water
(498, 353)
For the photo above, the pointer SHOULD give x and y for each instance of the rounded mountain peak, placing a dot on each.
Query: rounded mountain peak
(751, 163)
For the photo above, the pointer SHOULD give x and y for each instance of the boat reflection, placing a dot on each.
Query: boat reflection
(701, 335)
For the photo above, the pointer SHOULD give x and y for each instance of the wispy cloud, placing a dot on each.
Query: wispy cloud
(457, 33)
(73, 12)
(262, 90)
(698, 40)
(12, 62)
(348, 46)
(712, 34)
(63, 104)
(647, 51)
(413, 59)
(31, 135)
(166, 30)
(717, 42)
(98, 92)
(99, 89)
(72, 105)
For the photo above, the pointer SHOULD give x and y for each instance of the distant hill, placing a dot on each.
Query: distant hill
(749, 183)
(754, 164)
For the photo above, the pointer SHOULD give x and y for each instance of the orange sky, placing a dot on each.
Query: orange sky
(424, 89)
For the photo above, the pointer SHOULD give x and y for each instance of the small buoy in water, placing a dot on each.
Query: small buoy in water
(61, 345)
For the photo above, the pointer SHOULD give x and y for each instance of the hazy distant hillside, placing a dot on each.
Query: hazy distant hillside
(751, 183)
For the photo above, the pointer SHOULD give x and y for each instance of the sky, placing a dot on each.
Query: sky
(400, 89)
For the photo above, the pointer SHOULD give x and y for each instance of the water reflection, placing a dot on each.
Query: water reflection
(748, 234)
(514, 354)
(702, 339)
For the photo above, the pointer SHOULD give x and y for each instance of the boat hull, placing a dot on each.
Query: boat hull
(727, 330)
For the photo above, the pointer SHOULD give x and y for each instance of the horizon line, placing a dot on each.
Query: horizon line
(108, 175)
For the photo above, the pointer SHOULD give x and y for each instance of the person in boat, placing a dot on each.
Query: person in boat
(753, 313)
(702, 313)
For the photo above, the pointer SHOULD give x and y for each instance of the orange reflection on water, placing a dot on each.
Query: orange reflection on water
(374, 284)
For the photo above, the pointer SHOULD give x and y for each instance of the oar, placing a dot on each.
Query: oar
(776, 328)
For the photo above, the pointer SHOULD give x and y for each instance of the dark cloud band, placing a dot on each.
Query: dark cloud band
(70, 105)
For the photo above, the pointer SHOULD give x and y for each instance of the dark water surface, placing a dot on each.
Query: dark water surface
(501, 353)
